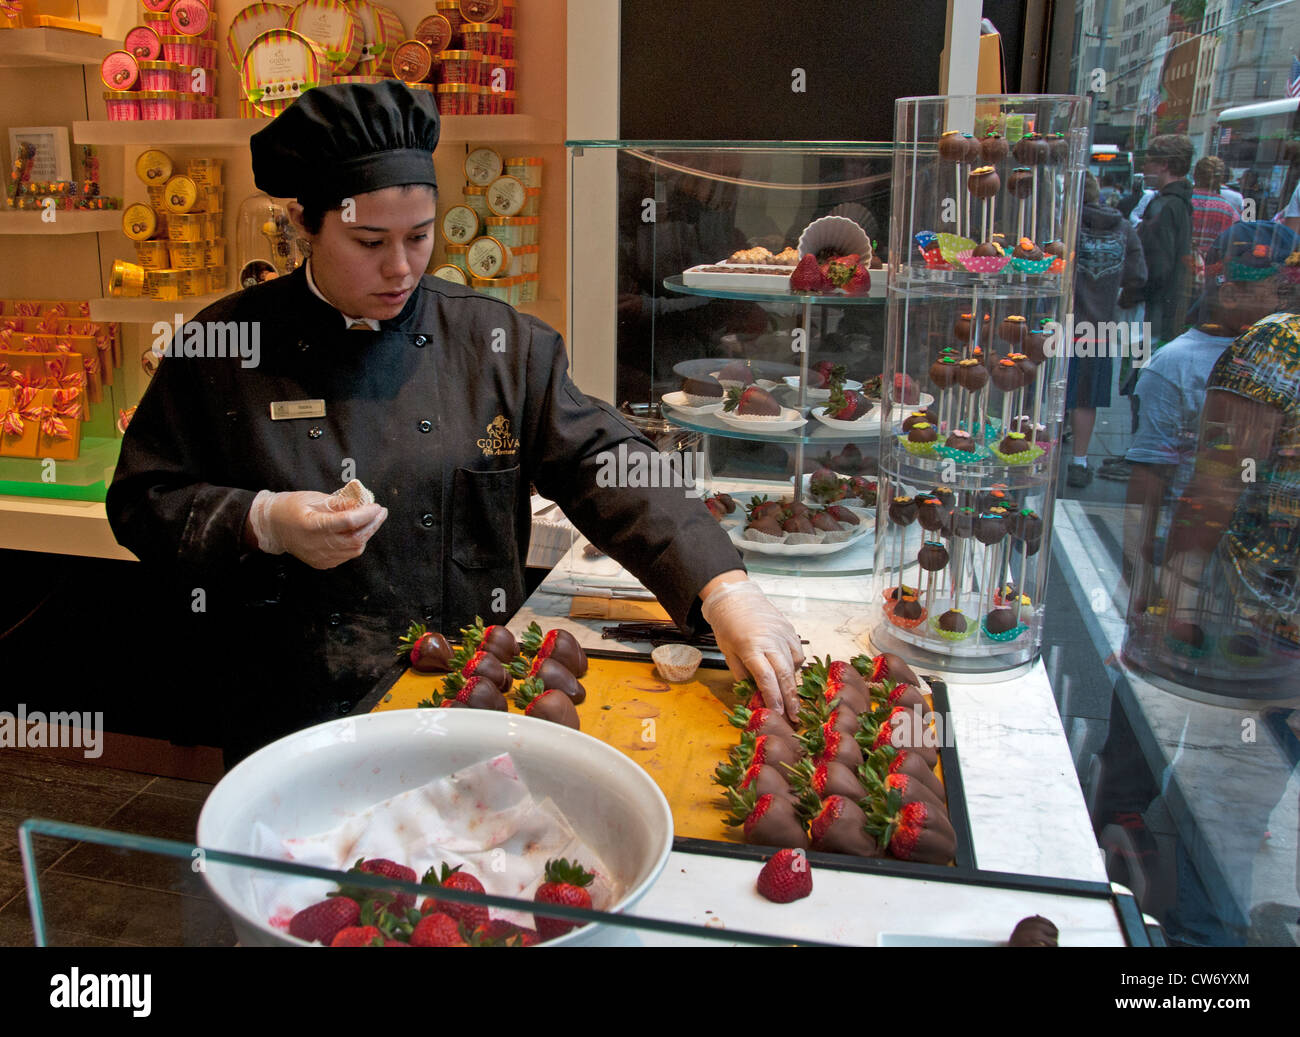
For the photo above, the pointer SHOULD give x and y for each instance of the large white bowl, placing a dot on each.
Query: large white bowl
(299, 785)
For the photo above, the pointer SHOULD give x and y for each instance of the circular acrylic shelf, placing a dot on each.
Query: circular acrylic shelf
(900, 466)
(813, 432)
(920, 282)
(675, 284)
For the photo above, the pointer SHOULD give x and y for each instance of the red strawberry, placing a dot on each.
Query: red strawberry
(564, 885)
(536, 700)
(905, 390)
(559, 645)
(500, 933)
(865, 490)
(785, 877)
(847, 405)
(321, 922)
(716, 509)
(839, 827)
(913, 831)
(427, 651)
(808, 276)
(358, 936)
(751, 400)
(767, 820)
(826, 373)
(860, 282)
(438, 930)
(475, 693)
(472, 915)
(387, 869)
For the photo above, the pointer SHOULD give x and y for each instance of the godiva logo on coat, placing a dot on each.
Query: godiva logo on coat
(499, 441)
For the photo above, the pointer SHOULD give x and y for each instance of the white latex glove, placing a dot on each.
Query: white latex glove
(323, 530)
(757, 641)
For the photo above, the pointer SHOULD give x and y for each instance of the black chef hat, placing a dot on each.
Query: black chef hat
(335, 142)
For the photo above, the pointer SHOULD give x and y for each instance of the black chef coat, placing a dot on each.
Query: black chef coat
(447, 414)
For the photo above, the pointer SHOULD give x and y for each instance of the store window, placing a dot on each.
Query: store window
(1180, 502)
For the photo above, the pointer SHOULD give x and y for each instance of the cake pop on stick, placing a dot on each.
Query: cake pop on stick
(1032, 151)
(902, 513)
(1028, 528)
(984, 183)
(943, 375)
(932, 557)
(963, 528)
(971, 376)
(952, 148)
(1020, 184)
(989, 531)
(993, 148)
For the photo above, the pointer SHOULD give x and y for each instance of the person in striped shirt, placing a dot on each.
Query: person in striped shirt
(1211, 213)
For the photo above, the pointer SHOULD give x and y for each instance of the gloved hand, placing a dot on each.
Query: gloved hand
(757, 641)
(323, 530)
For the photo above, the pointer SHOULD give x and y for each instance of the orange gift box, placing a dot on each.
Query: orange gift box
(20, 424)
(60, 431)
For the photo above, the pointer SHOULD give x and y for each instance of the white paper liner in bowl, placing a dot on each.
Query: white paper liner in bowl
(482, 817)
(759, 537)
(805, 538)
(835, 232)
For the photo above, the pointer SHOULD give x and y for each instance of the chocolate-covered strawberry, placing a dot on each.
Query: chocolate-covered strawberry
(768, 523)
(885, 667)
(909, 789)
(825, 522)
(766, 820)
(905, 695)
(427, 650)
(559, 645)
(765, 749)
(842, 514)
(798, 524)
(842, 718)
(482, 664)
(912, 831)
(762, 778)
(899, 729)
(847, 405)
(552, 674)
(761, 506)
(536, 700)
(816, 687)
(826, 779)
(889, 760)
(495, 640)
(474, 692)
(751, 402)
(825, 744)
(840, 827)
(762, 721)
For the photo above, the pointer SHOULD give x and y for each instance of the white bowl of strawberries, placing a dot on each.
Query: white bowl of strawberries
(310, 781)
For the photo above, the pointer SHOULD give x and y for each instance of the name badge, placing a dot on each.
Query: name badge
(286, 410)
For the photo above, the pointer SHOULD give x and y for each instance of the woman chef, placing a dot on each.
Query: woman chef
(444, 403)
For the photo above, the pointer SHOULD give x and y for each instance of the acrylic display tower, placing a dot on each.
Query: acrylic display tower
(977, 335)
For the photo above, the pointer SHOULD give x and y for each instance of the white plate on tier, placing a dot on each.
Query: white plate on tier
(677, 400)
(848, 426)
(789, 420)
(907, 408)
(737, 534)
(820, 394)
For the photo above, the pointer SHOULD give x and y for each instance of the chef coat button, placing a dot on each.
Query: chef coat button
(335, 619)
(314, 432)
(426, 520)
(421, 341)
(426, 426)
(344, 708)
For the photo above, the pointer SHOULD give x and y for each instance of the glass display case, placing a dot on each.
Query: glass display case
(721, 361)
(986, 194)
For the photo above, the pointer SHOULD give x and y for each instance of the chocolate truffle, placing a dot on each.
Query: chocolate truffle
(953, 621)
(990, 249)
(993, 148)
(1007, 376)
(972, 375)
(932, 557)
(909, 608)
(902, 511)
(1026, 249)
(1014, 443)
(990, 528)
(960, 439)
(1020, 182)
(983, 182)
(1032, 150)
(943, 372)
(952, 146)
(1012, 330)
(1034, 932)
(922, 432)
(999, 621)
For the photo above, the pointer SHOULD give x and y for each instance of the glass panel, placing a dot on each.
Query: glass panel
(1181, 536)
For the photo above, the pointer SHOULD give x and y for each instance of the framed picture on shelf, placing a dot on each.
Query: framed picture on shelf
(53, 157)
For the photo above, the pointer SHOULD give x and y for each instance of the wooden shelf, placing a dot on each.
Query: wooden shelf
(65, 222)
(151, 311)
(37, 48)
(456, 129)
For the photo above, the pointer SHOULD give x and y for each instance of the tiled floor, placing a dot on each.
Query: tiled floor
(94, 895)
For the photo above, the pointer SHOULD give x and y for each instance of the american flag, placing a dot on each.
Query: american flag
(1293, 81)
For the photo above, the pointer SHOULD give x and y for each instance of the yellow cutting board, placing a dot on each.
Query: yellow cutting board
(677, 732)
